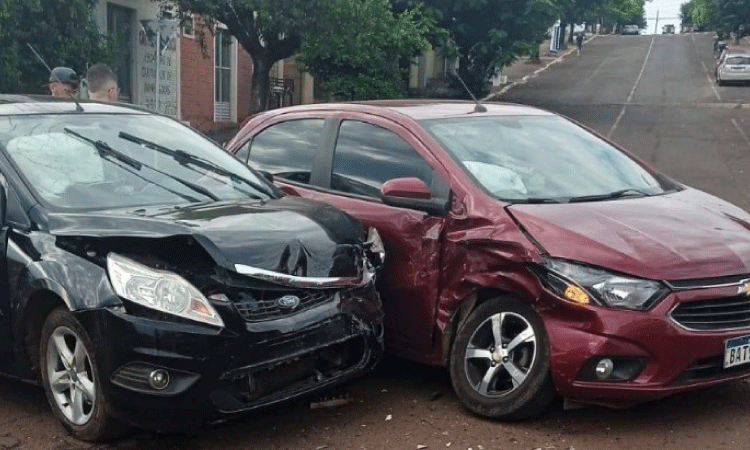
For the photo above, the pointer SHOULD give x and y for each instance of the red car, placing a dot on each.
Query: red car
(527, 254)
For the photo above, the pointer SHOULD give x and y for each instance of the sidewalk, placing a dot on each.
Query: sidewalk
(524, 69)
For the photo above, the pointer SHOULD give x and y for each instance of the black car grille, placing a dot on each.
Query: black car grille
(716, 314)
(266, 306)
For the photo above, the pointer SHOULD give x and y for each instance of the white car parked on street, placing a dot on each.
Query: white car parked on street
(733, 67)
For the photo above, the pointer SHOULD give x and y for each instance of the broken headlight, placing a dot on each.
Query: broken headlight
(577, 283)
(160, 290)
(375, 248)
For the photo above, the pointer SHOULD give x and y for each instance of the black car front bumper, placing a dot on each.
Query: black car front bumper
(214, 372)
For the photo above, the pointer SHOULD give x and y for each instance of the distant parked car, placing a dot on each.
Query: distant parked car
(149, 278)
(733, 67)
(525, 253)
(631, 29)
(667, 29)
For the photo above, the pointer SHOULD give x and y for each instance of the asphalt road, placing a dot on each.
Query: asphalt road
(654, 96)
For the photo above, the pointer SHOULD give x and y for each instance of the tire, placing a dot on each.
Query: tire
(530, 389)
(82, 408)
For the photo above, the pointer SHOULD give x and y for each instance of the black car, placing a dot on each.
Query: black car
(147, 275)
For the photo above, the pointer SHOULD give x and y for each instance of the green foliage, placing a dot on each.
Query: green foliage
(720, 15)
(269, 30)
(490, 34)
(62, 31)
(624, 12)
(368, 62)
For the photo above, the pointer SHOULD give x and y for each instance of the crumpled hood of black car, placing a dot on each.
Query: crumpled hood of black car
(289, 235)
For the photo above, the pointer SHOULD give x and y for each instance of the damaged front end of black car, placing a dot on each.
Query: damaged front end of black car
(165, 279)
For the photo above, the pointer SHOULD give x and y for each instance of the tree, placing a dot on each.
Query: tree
(62, 31)
(616, 13)
(365, 64)
(269, 30)
(490, 34)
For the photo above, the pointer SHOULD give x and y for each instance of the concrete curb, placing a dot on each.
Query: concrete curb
(495, 95)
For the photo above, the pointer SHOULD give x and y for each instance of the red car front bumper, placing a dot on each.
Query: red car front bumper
(673, 358)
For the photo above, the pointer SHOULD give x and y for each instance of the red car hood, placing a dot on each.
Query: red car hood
(684, 235)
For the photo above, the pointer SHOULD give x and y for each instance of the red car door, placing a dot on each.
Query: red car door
(368, 151)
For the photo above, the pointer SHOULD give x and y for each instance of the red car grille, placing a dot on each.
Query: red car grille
(715, 314)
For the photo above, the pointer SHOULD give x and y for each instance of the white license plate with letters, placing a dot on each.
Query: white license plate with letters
(736, 351)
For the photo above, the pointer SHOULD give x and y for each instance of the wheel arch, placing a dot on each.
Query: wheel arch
(29, 325)
(464, 310)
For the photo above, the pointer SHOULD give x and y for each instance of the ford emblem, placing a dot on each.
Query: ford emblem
(288, 302)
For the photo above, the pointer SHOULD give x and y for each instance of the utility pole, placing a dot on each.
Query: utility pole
(656, 24)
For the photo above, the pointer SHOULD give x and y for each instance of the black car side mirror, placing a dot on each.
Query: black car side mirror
(267, 175)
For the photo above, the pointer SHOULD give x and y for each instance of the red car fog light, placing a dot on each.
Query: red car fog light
(611, 369)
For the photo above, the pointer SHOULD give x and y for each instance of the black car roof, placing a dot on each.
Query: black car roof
(40, 104)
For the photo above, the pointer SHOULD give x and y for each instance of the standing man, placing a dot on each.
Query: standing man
(63, 82)
(102, 84)
(579, 42)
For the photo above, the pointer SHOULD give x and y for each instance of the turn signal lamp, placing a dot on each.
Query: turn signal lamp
(577, 295)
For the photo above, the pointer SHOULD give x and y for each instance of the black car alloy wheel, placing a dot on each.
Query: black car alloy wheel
(71, 379)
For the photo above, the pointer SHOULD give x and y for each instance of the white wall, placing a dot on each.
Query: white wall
(144, 59)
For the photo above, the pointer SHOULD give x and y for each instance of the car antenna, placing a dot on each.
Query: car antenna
(79, 108)
(479, 108)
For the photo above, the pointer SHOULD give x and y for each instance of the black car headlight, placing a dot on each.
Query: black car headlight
(160, 290)
(582, 284)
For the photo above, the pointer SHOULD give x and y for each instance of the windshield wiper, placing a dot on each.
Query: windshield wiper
(185, 158)
(105, 149)
(538, 200)
(629, 192)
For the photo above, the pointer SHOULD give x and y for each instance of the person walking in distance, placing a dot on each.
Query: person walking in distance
(102, 84)
(579, 43)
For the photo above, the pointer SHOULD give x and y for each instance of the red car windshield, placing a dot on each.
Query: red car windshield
(528, 158)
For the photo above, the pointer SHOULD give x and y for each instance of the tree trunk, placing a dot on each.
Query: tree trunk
(261, 85)
(570, 36)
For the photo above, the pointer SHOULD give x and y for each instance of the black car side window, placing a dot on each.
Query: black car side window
(287, 149)
(367, 156)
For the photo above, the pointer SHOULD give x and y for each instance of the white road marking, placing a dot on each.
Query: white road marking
(632, 91)
(705, 70)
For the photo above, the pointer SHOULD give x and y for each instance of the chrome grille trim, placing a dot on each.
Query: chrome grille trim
(708, 283)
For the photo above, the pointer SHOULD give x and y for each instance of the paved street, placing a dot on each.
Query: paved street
(653, 95)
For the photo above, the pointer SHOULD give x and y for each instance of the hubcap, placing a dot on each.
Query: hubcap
(500, 354)
(71, 376)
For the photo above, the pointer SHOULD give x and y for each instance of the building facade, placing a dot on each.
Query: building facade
(202, 78)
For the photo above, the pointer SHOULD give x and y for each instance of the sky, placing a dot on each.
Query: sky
(669, 12)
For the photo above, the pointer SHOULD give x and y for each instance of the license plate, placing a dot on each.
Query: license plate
(736, 351)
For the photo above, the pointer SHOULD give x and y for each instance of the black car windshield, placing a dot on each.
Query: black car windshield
(541, 159)
(92, 161)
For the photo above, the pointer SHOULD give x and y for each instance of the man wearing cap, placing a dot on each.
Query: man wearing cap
(63, 82)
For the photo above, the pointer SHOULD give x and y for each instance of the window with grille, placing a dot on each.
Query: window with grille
(222, 77)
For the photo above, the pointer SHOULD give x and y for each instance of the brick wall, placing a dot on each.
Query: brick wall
(197, 88)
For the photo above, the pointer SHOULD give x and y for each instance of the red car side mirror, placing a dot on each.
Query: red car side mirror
(412, 188)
